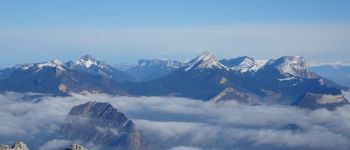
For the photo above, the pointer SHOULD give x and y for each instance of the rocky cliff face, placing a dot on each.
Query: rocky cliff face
(104, 125)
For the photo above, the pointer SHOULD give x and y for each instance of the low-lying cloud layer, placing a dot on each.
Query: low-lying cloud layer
(182, 123)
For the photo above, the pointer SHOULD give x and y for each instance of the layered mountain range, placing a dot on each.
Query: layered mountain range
(285, 80)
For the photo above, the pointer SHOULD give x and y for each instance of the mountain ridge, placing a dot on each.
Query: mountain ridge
(283, 80)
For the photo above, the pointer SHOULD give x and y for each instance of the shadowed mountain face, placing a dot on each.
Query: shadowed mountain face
(104, 125)
(278, 81)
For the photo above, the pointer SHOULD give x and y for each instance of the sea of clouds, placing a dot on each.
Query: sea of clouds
(180, 123)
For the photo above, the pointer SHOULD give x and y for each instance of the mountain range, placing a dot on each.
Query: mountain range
(286, 80)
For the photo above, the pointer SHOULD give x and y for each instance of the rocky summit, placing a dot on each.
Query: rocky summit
(103, 125)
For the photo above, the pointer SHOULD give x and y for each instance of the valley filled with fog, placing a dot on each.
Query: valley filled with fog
(181, 123)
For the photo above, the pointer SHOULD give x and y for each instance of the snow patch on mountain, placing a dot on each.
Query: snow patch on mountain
(204, 61)
(291, 65)
(244, 64)
(286, 79)
(163, 62)
(55, 63)
(86, 62)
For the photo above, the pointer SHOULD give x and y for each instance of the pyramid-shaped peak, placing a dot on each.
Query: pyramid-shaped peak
(205, 60)
(86, 61)
(205, 56)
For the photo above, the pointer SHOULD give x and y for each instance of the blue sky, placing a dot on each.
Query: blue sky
(123, 31)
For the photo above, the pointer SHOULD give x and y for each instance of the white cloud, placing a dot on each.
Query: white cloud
(55, 144)
(176, 122)
(185, 148)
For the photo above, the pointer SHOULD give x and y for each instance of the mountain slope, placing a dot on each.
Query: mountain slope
(243, 64)
(322, 100)
(337, 73)
(89, 65)
(278, 81)
(290, 77)
(55, 78)
(102, 124)
(204, 78)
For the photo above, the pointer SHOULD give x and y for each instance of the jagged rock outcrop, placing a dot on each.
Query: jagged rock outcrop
(104, 125)
(17, 146)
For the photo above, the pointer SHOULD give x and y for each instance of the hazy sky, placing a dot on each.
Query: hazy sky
(123, 31)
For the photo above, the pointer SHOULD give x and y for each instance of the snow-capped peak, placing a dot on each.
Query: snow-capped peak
(53, 63)
(88, 64)
(204, 60)
(57, 62)
(292, 65)
(86, 61)
(250, 64)
(244, 64)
